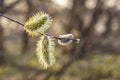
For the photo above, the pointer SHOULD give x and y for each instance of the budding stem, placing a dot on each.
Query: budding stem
(77, 40)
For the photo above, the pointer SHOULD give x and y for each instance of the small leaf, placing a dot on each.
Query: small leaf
(38, 24)
(46, 51)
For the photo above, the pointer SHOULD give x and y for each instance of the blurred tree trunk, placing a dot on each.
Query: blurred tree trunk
(25, 42)
(25, 38)
(1, 46)
(4, 9)
(1, 38)
(87, 34)
(76, 23)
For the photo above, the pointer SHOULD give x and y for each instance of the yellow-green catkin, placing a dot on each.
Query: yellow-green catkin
(46, 51)
(38, 24)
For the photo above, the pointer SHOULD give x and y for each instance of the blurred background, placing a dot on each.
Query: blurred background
(95, 22)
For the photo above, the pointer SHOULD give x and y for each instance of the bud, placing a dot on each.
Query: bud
(65, 39)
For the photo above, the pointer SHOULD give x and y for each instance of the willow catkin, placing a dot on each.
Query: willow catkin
(38, 24)
(65, 39)
(46, 51)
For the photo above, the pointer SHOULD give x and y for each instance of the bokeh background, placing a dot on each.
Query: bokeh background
(95, 22)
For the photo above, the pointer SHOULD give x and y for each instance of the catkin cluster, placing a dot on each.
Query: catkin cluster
(37, 25)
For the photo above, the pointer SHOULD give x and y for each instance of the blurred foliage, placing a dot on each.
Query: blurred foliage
(95, 67)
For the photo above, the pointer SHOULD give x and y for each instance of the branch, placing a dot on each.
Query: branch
(56, 37)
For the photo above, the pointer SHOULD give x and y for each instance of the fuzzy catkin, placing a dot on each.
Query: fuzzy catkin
(38, 24)
(46, 51)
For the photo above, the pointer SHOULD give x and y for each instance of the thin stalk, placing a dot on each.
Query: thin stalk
(12, 20)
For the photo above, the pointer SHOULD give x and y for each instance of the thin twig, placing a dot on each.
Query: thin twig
(12, 19)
